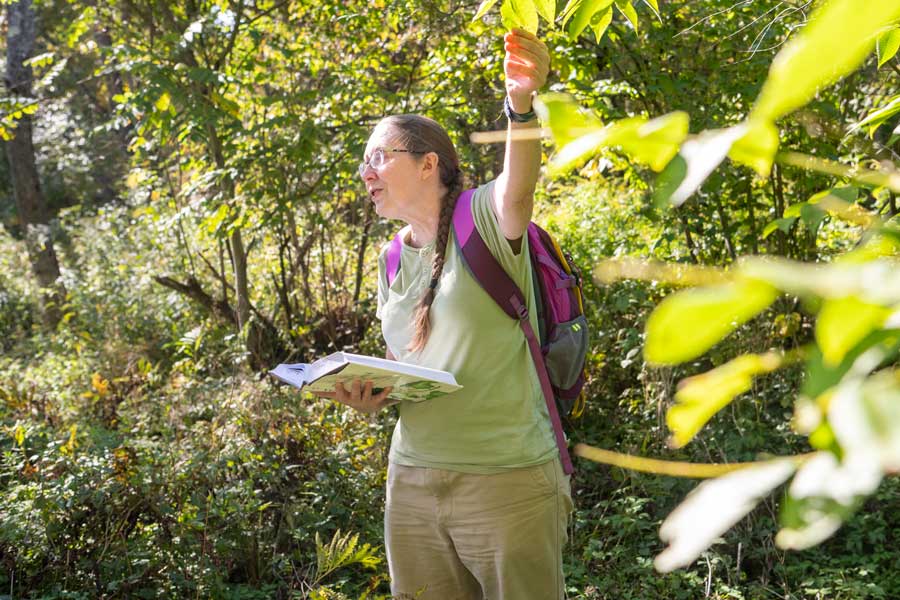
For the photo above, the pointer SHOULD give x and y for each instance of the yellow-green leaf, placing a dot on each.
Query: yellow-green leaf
(844, 322)
(686, 324)
(813, 58)
(582, 14)
(757, 147)
(164, 101)
(567, 121)
(702, 396)
(627, 9)
(877, 117)
(653, 142)
(887, 45)
(547, 9)
(698, 157)
(578, 135)
(483, 9)
(600, 22)
(520, 14)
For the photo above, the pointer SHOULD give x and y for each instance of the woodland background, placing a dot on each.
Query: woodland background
(195, 171)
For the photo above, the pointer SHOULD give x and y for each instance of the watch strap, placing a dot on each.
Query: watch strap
(517, 117)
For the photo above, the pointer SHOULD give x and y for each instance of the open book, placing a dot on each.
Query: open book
(409, 382)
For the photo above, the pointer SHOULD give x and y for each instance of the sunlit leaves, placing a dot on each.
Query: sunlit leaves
(812, 60)
(702, 396)
(579, 135)
(581, 13)
(844, 322)
(627, 9)
(519, 14)
(688, 323)
(576, 16)
(865, 418)
(567, 121)
(887, 45)
(712, 508)
(879, 116)
(756, 147)
(483, 9)
(810, 514)
(699, 156)
(654, 142)
(875, 281)
(546, 9)
(163, 102)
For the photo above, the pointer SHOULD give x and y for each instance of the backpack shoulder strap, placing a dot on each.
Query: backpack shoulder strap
(499, 285)
(392, 260)
(487, 271)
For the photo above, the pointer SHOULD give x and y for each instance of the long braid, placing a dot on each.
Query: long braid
(421, 316)
(421, 135)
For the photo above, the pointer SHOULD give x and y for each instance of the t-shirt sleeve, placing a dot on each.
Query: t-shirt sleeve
(517, 266)
(382, 281)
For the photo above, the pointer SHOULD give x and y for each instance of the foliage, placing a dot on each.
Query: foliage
(143, 457)
(856, 329)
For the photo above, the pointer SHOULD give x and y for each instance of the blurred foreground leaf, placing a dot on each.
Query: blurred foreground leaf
(688, 323)
(702, 396)
(712, 508)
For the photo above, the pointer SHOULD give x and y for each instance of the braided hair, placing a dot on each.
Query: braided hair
(426, 135)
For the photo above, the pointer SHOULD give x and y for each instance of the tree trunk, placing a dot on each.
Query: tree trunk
(30, 203)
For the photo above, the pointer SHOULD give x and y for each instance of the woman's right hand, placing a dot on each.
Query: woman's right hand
(360, 396)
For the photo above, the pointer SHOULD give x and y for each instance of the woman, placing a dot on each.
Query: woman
(477, 502)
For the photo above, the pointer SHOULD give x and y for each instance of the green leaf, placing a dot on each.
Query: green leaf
(702, 396)
(713, 507)
(483, 8)
(653, 142)
(520, 14)
(546, 9)
(600, 22)
(701, 155)
(812, 216)
(812, 60)
(844, 322)
(874, 281)
(878, 117)
(688, 323)
(756, 148)
(582, 12)
(163, 103)
(887, 45)
(567, 121)
(782, 224)
(627, 9)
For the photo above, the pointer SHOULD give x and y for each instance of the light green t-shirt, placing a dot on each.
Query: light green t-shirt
(499, 419)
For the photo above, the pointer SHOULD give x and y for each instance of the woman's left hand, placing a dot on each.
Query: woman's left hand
(526, 66)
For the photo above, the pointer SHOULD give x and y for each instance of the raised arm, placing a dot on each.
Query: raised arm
(525, 66)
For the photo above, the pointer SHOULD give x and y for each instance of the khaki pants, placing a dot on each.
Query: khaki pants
(459, 536)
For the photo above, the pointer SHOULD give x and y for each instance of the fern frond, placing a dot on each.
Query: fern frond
(342, 551)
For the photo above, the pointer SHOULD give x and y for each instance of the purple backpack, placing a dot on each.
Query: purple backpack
(559, 348)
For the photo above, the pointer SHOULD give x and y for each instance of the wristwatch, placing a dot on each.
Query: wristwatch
(517, 117)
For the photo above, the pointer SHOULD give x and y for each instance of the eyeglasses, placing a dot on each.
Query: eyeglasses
(376, 161)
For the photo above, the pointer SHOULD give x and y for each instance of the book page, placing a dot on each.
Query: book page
(405, 387)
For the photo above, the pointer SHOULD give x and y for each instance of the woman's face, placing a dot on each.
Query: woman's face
(395, 184)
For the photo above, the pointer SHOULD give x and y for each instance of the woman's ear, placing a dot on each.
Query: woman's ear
(430, 165)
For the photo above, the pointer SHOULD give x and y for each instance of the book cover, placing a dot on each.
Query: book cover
(409, 382)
